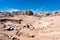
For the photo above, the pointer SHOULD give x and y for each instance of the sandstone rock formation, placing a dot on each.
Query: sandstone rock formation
(30, 13)
(43, 14)
(27, 12)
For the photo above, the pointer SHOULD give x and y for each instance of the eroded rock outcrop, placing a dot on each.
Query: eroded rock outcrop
(27, 12)
(30, 13)
(56, 13)
(43, 14)
(5, 14)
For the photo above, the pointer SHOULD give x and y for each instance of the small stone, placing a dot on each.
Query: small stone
(14, 38)
(10, 29)
(28, 26)
(30, 35)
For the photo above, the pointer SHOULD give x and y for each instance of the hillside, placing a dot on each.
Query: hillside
(29, 26)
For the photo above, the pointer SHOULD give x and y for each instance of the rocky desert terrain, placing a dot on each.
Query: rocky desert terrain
(26, 25)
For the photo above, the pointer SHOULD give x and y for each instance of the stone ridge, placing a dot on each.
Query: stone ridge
(29, 13)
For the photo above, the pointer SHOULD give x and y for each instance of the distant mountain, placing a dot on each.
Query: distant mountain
(30, 13)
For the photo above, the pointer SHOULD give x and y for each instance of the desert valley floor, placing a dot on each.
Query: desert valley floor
(24, 27)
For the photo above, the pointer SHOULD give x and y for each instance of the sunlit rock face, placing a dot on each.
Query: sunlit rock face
(43, 14)
(5, 14)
